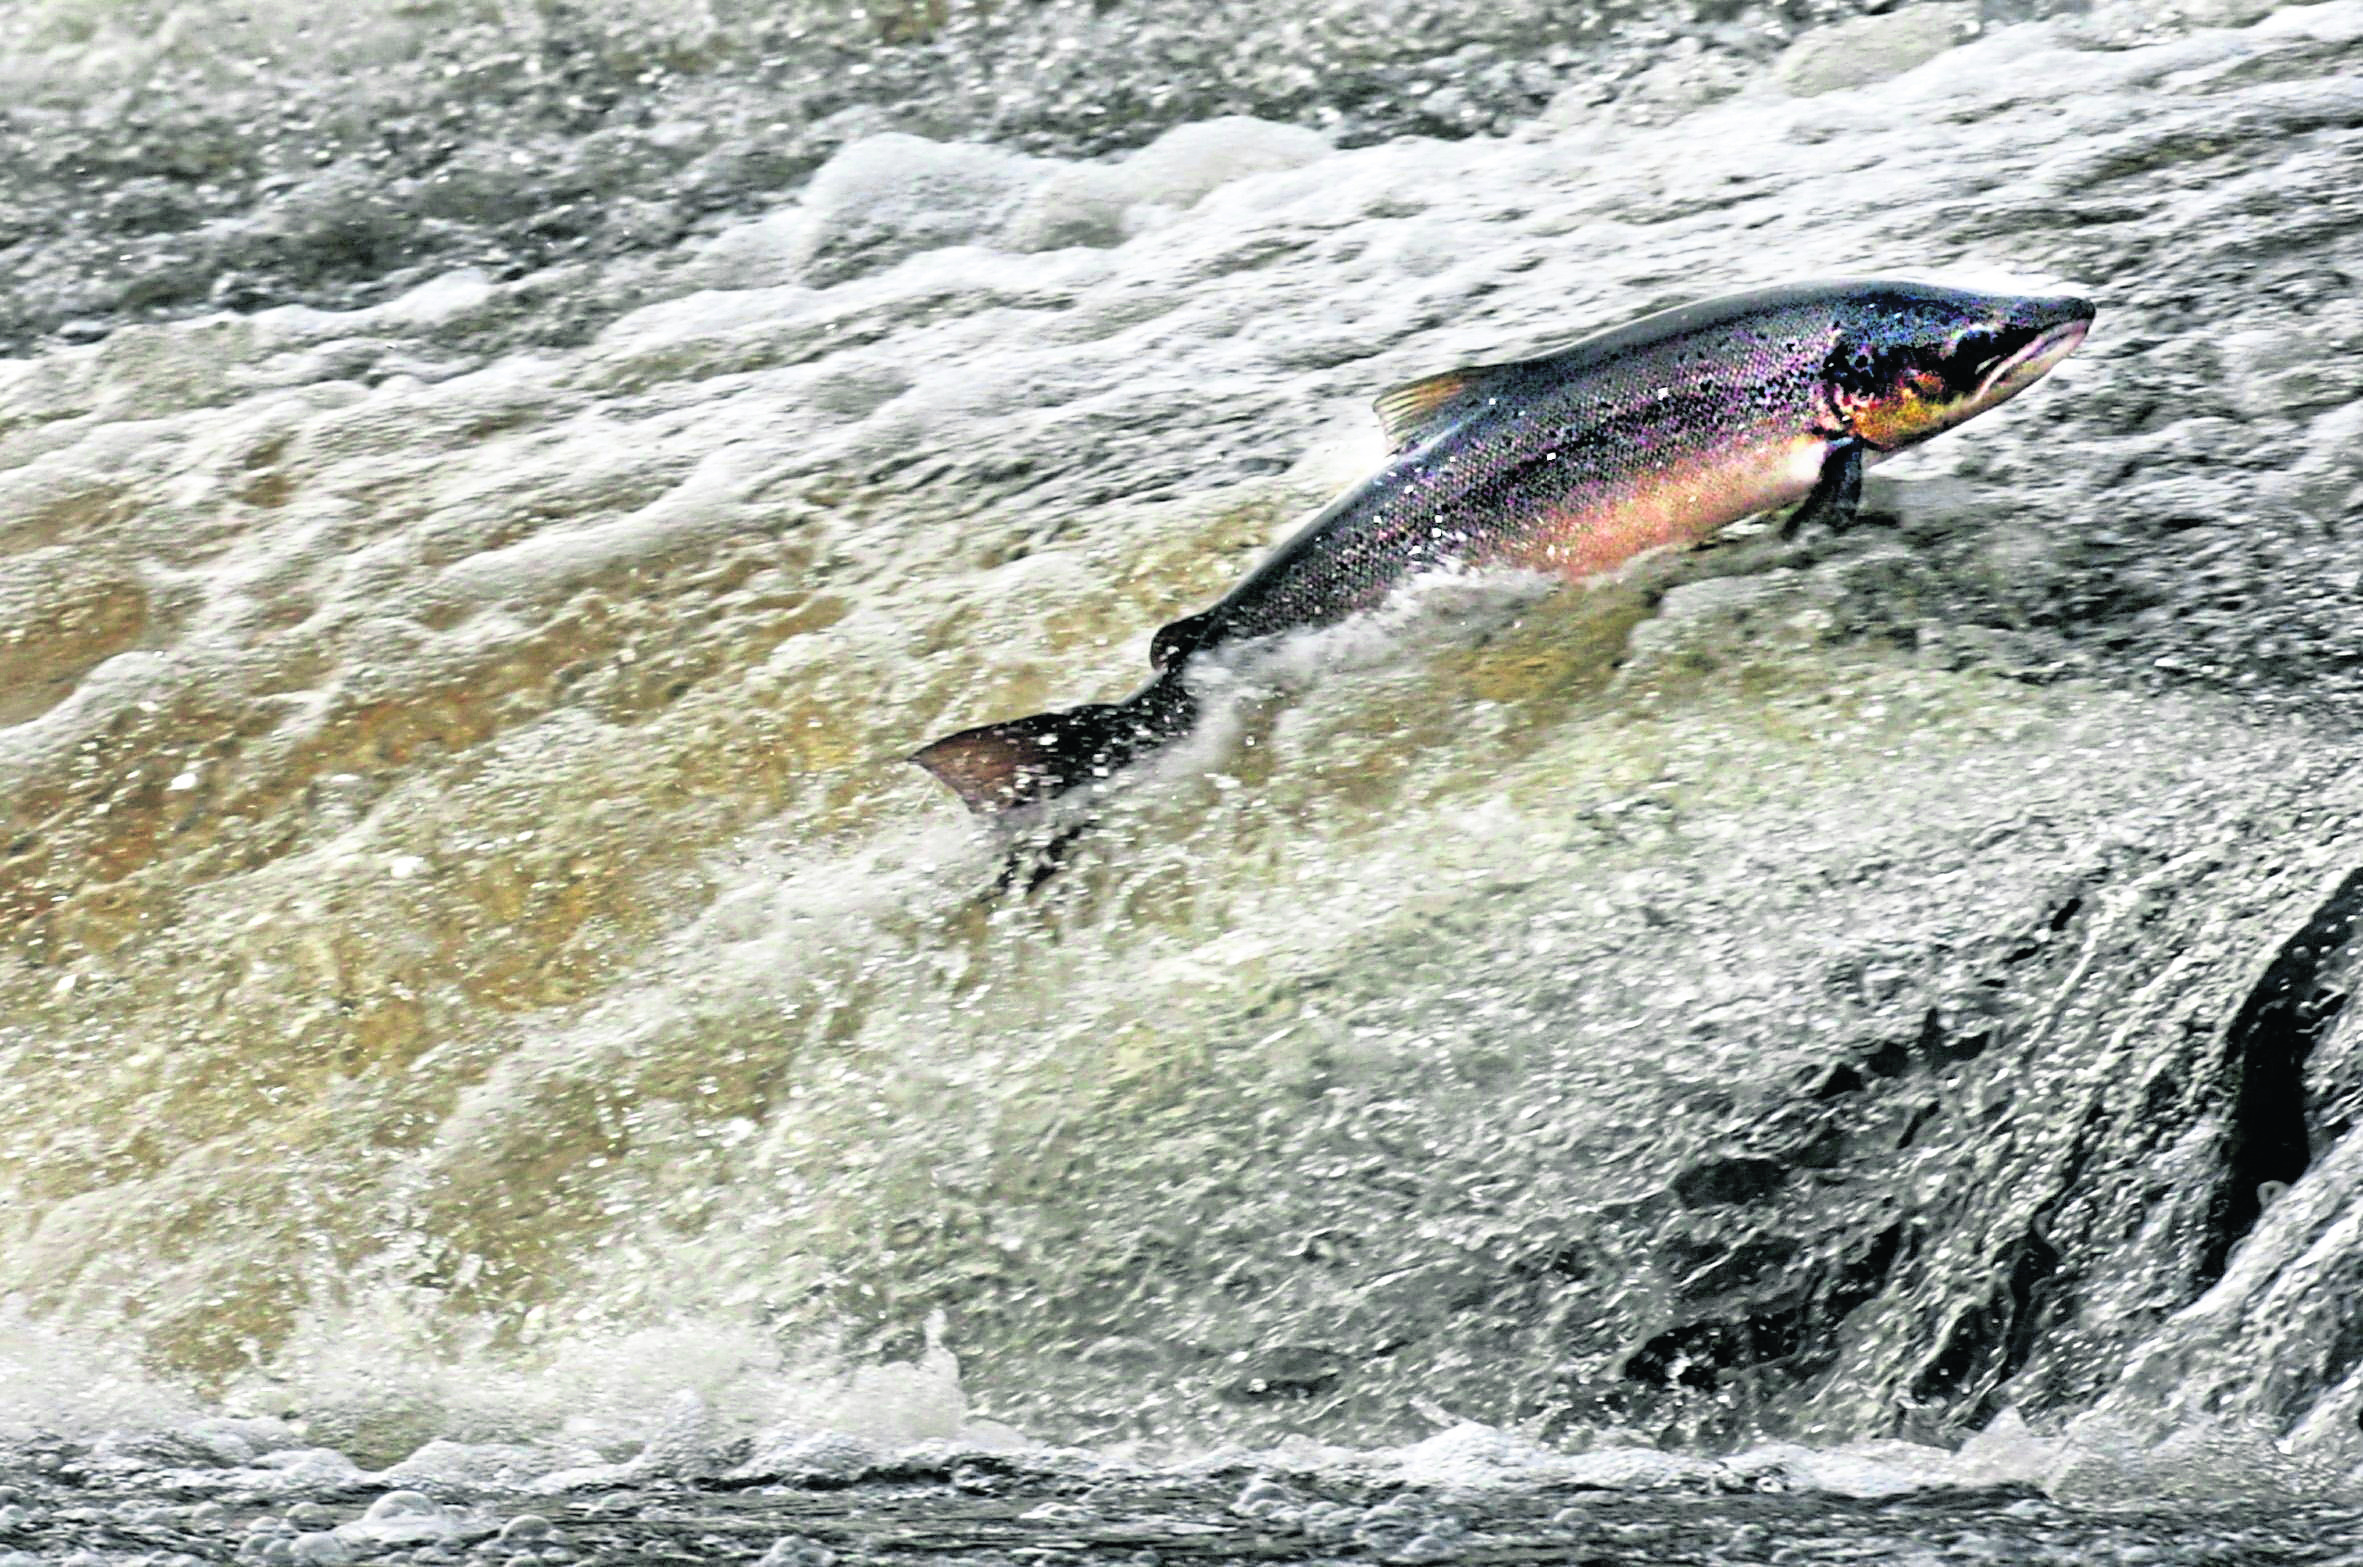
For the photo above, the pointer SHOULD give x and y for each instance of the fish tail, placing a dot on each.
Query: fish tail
(998, 768)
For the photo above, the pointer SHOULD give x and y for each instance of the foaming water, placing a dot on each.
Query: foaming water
(255, 154)
(479, 971)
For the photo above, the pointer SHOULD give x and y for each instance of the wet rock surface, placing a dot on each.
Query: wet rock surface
(474, 961)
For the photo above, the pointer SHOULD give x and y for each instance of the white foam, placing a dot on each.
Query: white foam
(404, 1518)
(1106, 204)
(56, 1379)
(890, 196)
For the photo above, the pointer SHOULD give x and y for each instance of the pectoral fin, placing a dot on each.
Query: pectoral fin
(1836, 495)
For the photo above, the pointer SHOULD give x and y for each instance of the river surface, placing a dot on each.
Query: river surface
(490, 493)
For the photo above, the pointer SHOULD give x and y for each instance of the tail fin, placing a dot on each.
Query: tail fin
(996, 768)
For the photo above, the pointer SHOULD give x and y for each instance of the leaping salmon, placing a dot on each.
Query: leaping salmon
(1655, 434)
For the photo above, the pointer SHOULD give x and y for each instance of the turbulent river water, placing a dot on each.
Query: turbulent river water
(489, 493)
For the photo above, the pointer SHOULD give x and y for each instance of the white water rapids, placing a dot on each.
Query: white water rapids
(474, 966)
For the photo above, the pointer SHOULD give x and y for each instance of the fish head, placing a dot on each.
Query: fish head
(1910, 360)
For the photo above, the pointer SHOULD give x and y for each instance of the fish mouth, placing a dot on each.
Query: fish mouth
(2022, 369)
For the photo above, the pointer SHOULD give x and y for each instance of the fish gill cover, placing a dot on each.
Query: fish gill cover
(476, 967)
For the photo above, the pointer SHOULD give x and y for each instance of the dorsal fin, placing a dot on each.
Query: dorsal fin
(1412, 412)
